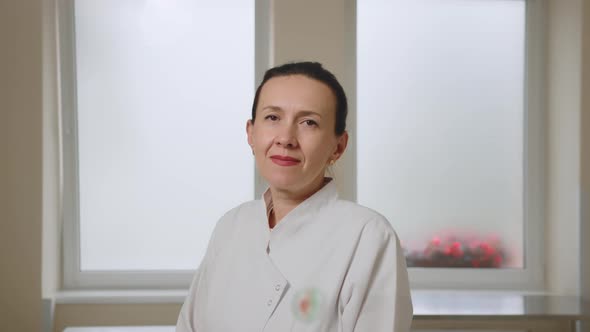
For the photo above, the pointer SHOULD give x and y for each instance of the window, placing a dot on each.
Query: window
(151, 138)
(445, 119)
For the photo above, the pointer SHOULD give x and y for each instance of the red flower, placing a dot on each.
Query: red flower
(436, 241)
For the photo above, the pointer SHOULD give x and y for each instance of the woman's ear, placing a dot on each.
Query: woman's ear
(249, 129)
(340, 146)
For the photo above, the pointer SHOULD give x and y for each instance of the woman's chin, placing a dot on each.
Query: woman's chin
(284, 184)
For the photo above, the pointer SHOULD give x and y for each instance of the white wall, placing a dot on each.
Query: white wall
(563, 146)
(585, 162)
(20, 165)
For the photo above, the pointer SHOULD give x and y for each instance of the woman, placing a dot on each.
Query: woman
(299, 259)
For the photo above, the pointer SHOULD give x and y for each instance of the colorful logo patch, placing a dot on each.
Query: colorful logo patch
(306, 304)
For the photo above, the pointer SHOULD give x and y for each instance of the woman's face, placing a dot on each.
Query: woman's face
(293, 137)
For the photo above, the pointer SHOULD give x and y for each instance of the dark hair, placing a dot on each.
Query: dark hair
(313, 70)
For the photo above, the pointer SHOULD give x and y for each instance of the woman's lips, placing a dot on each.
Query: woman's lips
(284, 160)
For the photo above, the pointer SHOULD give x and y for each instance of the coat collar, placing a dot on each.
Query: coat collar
(301, 215)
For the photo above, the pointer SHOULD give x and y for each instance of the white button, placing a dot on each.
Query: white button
(269, 303)
(278, 287)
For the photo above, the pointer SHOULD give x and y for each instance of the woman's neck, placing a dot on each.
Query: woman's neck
(284, 201)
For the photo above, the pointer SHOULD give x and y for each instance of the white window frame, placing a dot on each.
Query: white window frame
(73, 277)
(530, 278)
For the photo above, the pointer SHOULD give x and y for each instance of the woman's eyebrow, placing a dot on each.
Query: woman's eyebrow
(299, 113)
(271, 108)
(306, 112)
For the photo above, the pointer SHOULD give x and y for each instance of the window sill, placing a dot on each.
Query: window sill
(120, 296)
(176, 296)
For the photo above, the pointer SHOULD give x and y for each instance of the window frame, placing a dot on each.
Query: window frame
(73, 277)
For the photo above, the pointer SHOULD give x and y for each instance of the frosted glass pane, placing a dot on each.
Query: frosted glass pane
(440, 126)
(164, 93)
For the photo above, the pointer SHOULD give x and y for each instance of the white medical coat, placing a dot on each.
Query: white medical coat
(328, 265)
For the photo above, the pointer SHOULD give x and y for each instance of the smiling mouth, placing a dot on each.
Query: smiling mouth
(284, 160)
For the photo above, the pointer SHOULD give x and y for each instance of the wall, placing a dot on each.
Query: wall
(563, 146)
(20, 165)
(585, 163)
(585, 158)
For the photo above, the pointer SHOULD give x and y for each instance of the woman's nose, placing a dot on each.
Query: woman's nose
(287, 137)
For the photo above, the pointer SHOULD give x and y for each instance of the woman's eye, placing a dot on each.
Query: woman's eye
(271, 117)
(310, 123)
